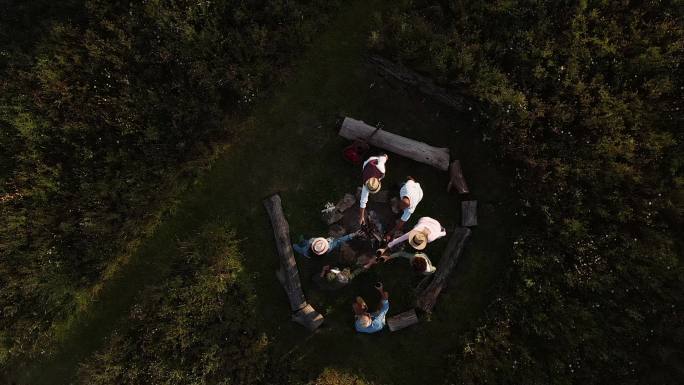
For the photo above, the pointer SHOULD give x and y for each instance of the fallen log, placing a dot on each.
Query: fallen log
(288, 275)
(456, 178)
(468, 213)
(402, 320)
(424, 84)
(353, 129)
(427, 298)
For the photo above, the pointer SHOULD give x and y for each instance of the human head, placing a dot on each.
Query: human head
(418, 239)
(404, 203)
(359, 306)
(320, 246)
(373, 185)
(365, 320)
(419, 264)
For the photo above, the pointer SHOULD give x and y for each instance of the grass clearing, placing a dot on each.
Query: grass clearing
(290, 145)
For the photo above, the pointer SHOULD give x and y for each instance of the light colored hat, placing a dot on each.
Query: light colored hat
(320, 246)
(418, 239)
(373, 185)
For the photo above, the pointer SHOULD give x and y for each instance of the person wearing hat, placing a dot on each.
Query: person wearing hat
(373, 171)
(320, 245)
(410, 195)
(425, 231)
(372, 323)
(335, 278)
(419, 261)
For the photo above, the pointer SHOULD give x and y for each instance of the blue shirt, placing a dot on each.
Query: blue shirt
(377, 320)
(304, 247)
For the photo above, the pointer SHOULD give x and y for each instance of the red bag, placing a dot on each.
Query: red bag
(354, 152)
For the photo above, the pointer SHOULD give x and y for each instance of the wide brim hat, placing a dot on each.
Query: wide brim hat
(320, 246)
(373, 185)
(418, 239)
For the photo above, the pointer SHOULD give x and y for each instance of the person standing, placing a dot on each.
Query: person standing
(410, 195)
(425, 231)
(373, 171)
(373, 323)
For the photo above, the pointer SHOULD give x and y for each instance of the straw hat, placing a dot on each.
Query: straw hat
(418, 239)
(373, 185)
(320, 246)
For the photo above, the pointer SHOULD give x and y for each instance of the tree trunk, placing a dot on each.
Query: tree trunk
(402, 320)
(469, 213)
(427, 298)
(288, 275)
(355, 129)
(456, 178)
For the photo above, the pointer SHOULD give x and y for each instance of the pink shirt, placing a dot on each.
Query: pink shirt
(436, 231)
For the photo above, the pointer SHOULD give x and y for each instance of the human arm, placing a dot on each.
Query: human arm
(363, 201)
(384, 308)
(382, 159)
(324, 270)
(401, 254)
(397, 241)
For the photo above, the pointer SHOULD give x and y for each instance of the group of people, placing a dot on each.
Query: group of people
(424, 232)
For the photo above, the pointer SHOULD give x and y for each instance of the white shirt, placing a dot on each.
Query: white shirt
(414, 193)
(381, 167)
(435, 229)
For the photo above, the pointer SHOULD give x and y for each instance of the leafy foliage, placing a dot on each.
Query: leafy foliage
(331, 376)
(585, 101)
(100, 105)
(197, 327)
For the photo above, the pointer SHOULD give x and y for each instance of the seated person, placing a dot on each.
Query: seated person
(425, 231)
(321, 246)
(419, 261)
(334, 278)
(373, 323)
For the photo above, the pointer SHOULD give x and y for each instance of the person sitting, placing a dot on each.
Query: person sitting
(373, 323)
(419, 261)
(321, 246)
(410, 195)
(425, 231)
(335, 278)
(373, 171)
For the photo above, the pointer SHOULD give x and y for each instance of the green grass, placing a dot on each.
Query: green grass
(289, 145)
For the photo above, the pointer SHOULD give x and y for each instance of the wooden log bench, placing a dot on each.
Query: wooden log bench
(456, 178)
(427, 298)
(468, 213)
(402, 320)
(288, 275)
(438, 157)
